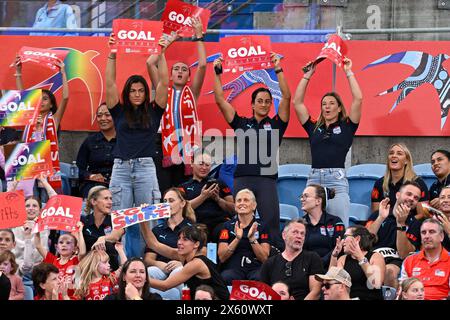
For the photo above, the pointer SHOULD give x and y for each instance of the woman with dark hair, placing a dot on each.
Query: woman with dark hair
(46, 283)
(322, 228)
(330, 137)
(95, 156)
(197, 268)
(159, 266)
(399, 169)
(366, 267)
(47, 125)
(258, 170)
(137, 118)
(133, 283)
(440, 164)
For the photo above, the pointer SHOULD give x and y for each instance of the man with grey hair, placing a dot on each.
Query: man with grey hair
(294, 266)
(336, 284)
(431, 265)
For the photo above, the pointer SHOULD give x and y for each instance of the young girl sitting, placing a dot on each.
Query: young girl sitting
(9, 267)
(96, 280)
(67, 258)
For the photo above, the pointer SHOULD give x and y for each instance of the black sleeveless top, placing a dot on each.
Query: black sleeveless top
(359, 287)
(216, 281)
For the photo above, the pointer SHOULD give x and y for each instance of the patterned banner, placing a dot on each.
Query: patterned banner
(28, 160)
(20, 108)
(128, 217)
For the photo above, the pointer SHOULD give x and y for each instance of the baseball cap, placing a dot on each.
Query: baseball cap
(337, 274)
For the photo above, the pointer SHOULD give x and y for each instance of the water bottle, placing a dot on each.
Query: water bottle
(186, 293)
(73, 174)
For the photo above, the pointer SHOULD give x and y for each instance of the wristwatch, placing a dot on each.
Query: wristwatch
(401, 228)
(254, 241)
(363, 261)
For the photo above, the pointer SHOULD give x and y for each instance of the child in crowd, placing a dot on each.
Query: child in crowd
(9, 267)
(67, 258)
(96, 279)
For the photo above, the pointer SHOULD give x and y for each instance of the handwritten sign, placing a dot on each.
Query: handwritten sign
(12, 209)
(128, 217)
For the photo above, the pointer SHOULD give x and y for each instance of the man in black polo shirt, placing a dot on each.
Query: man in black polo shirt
(258, 141)
(440, 164)
(212, 200)
(397, 229)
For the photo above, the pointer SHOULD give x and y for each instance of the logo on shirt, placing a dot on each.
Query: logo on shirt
(224, 235)
(330, 229)
(108, 230)
(163, 236)
(337, 130)
(439, 273)
(416, 271)
(190, 188)
(323, 231)
(375, 194)
(267, 126)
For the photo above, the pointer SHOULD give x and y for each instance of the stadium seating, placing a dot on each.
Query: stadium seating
(291, 181)
(424, 171)
(361, 179)
(358, 213)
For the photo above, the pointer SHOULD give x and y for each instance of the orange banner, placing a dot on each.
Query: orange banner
(406, 85)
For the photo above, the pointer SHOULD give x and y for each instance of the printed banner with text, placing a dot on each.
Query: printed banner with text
(128, 217)
(60, 213)
(246, 53)
(12, 209)
(20, 108)
(334, 50)
(177, 18)
(28, 160)
(43, 57)
(137, 36)
(411, 101)
(252, 290)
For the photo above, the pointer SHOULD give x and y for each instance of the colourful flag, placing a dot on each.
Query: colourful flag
(28, 160)
(20, 108)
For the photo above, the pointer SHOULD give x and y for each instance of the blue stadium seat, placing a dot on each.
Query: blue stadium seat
(211, 251)
(358, 213)
(424, 171)
(361, 179)
(291, 181)
(288, 212)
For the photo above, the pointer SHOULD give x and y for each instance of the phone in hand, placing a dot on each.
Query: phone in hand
(211, 182)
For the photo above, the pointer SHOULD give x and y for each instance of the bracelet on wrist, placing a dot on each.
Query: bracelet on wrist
(306, 78)
(218, 70)
(17, 74)
(277, 71)
(199, 39)
(349, 74)
(112, 58)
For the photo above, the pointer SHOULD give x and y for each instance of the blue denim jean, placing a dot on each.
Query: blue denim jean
(336, 179)
(134, 182)
(170, 294)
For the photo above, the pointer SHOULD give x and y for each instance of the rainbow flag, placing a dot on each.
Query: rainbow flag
(28, 160)
(20, 108)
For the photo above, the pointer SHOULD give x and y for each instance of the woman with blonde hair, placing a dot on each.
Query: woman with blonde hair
(399, 168)
(97, 231)
(160, 266)
(411, 289)
(330, 137)
(95, 279)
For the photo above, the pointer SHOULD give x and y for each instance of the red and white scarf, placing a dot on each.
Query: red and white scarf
(48, 133)
(180, 129)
